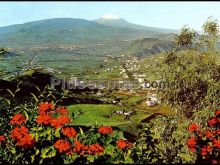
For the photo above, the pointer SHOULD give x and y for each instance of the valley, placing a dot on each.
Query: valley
(123, 59)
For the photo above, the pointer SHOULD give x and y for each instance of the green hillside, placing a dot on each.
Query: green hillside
(68, 31)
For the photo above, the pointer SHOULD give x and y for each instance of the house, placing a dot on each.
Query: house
(99, 93)
(151, 103)
(141, 80)
(114, 102)
(152, 99)
(120, 82)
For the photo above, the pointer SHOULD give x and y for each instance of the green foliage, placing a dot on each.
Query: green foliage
(44, 149)
(163, 141)
(204, 141)
(192, 74)
(186, 37)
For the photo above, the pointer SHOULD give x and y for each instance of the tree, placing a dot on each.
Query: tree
(191, 70)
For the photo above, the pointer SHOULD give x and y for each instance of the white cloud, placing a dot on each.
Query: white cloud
(110, 16)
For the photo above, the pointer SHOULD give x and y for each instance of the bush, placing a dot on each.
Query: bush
(48, 137)
(192, 72)
(205, 143)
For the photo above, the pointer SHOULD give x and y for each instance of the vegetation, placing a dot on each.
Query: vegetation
(44, 125)
(46, 136)
(192, 73)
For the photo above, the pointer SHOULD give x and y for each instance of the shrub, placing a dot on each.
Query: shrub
(47, 137)
(192, 72)
(205, 143)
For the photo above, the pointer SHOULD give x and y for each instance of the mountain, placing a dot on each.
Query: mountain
(72, 31)
(122, 23)
(144, 47)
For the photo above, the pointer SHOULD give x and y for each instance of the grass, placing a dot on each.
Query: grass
(91, 114)
(134, 100)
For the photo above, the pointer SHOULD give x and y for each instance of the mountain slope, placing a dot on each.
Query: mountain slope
(144, 47)
(122, 23)
(69, 31)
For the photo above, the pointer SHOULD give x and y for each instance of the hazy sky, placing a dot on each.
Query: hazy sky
(156, 14)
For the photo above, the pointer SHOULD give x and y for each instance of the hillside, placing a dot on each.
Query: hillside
(144, 47)
(122, 23)
(68, 31)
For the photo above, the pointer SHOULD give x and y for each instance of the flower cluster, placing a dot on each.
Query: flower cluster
(62, 110)
(93, 149)
(2, 139)
(123, 144)
(69, 132)
(51, 127)
(46, 107)
(206, 144)
(22, 137)
(60, 121)
(62, 146)
(105, 130)
(17, 119)
(46, 115)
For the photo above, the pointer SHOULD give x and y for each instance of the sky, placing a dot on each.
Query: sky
(172, 15)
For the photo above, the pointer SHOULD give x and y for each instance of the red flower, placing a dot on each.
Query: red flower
(204, 151)
(217, 113)
(26, 142)
(19, 132)
(122, 144)
(22, 137)
(69, 132)
(17, 119)
(105, 130)
(64, 119)
(212, 121)
(214, 162)
(79, 147)
(216, 143)
(193, 127)
(209, 134)
(44, 119)
(209, 149)
(45, 107)
(62, 146)
(95, 149)
(60, 121)
(2, 139)
(191, 142)
(83, 149)
(62, 110)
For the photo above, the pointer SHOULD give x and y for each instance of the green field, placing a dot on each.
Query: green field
(97, 114)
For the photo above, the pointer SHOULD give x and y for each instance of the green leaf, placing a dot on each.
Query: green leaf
(26, 115)
(17, 90)
(90, 158)
(48, 152)
(35, 98)
(185, 156)
(128, 160)
(8, 101)
(81, 131)
(57, 133)
(110, 150)
(9, 91)
(38, 88)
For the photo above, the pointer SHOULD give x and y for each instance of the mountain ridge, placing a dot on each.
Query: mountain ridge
(70, 31)
(120, 22)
